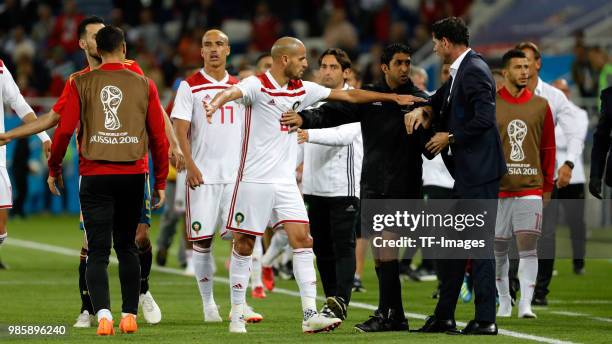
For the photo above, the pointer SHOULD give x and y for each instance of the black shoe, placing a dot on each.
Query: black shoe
(476, 328)
(161, 257)
(2, 266)
(358, 286)
(436, 293)
(380, 323)
(337, 305)
(539, 301)
(434, 325)
(579, 266)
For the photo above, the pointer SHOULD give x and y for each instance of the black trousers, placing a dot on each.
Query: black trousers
(451, 271)
(112, 205)
(571, 198)
(332, 223)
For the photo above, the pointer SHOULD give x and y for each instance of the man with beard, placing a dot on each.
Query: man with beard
(528, 138)
(392, 166)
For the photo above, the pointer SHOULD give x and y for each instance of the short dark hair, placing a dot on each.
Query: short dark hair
(87, 21)
(340, 55)
(512, 54)
(531, 46)
(390, 50)
(453, 29)
(262, 56)
(109, 39)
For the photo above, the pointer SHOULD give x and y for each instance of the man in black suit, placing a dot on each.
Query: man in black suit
(462, 112)
(601, 146)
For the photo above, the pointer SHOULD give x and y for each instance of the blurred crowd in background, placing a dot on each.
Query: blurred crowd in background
(39, 45)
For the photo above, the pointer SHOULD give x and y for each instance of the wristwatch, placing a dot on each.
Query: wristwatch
(451, 138)
(569, 164)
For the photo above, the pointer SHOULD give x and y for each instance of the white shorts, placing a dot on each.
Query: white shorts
(207, 208)
(518, 215)
(255, 205)
(6, 194)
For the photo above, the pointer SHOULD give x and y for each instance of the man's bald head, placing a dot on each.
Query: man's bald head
(287, 46)
(215, 34)
(562, 85)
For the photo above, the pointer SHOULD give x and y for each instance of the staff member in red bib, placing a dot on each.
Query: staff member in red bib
(119, 117)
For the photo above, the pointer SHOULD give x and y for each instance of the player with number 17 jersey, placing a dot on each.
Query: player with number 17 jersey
(215, 149)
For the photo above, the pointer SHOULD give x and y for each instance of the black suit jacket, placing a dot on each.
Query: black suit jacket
(601, 139)
(476, 158)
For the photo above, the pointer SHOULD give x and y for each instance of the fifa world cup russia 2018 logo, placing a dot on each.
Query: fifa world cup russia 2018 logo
(111, 97)
(517, 130)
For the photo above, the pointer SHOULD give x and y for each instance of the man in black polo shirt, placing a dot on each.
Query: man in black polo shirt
(392, 165)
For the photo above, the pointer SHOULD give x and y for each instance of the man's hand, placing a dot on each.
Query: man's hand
(415, 119)
(4, 139)
(292, 119)
(210, 110)
(176, 157)
(437, 143)
(564, 176)
(194, 176)
(406, 99)
(51, 181)
(160, 196)
(546, 198)
(46, 146)
(595, 187)
(302, 136)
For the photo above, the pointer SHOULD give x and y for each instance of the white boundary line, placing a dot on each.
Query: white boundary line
(74, 253)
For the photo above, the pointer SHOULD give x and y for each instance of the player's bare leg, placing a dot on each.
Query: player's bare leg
(306, 278)
(150, 309)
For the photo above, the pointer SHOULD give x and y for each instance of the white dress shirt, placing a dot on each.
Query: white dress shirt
(580, 120)
(454, 67)
(563, 116)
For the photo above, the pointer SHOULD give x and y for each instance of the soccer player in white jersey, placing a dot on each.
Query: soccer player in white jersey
(10, 95)
(265, 187)
(212, 152)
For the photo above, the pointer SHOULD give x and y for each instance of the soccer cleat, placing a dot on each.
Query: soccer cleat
(150, 309)
(84, 320)
(267, 276)
(539, 301)
(249, 315)
(525, 310)
(337, 306)
(128, 324)
(319, 323)
(258, 293)
(505, 307)
(238, 326)
(105, 327)
(211, 314)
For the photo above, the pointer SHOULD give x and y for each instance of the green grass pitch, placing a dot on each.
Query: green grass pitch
(41, 288)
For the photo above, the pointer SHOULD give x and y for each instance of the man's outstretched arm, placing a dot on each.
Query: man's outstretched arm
(42, 123)
(220, 99)
(364, 96)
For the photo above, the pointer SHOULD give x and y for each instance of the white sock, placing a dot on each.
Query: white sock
(502, 266)
(240, 267)
(105, 313)
(306, 278)
(204, 274)
(3, 237)
(528, 274)
(256, 269)
(278, 242)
